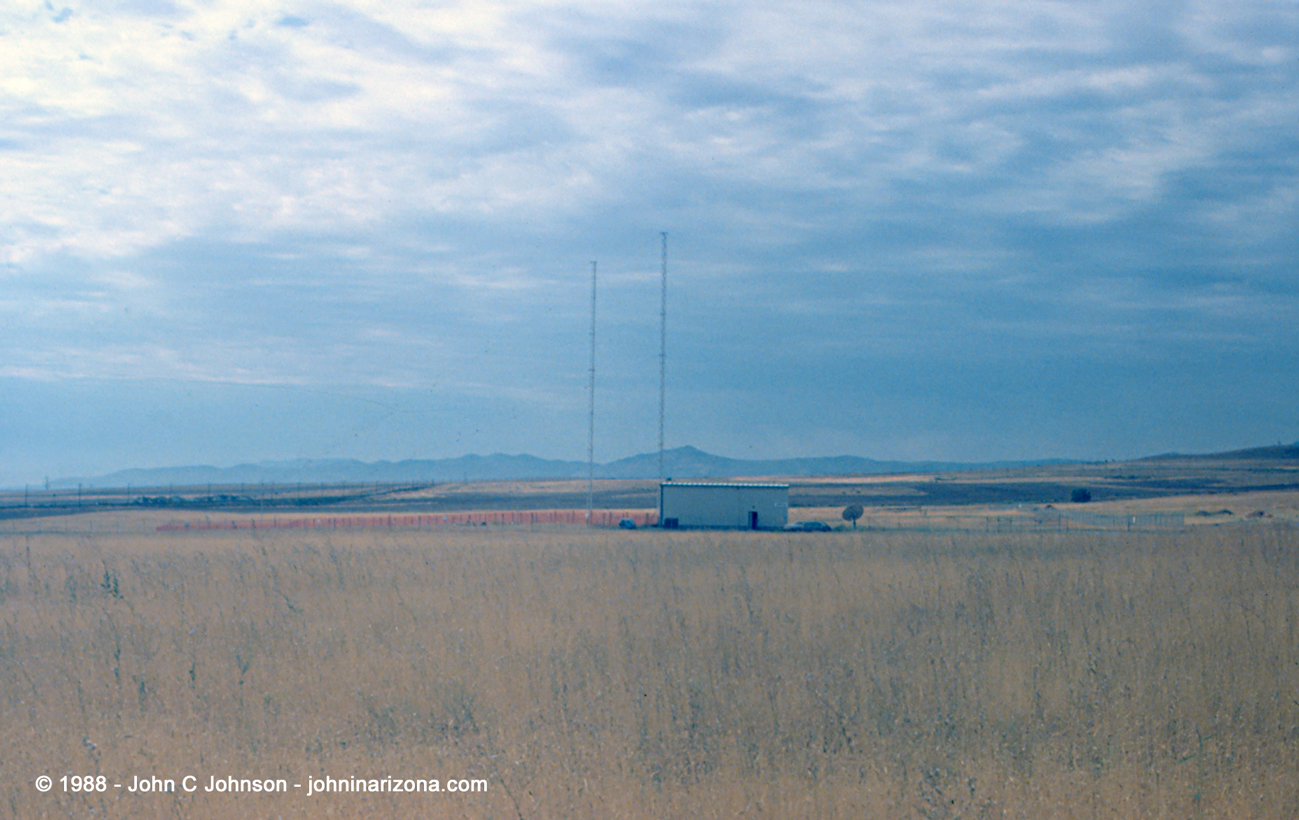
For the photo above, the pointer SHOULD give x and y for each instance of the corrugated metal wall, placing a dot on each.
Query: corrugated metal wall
(729, 506)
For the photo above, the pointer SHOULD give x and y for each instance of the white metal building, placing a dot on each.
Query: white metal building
(723, 506)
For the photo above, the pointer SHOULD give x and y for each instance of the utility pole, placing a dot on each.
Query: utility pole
(663, 346)
(590, 428)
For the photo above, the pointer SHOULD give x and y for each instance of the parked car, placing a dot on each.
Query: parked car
(627, 524)
(808, 526)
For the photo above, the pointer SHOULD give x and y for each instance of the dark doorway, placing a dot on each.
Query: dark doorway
(753, 519)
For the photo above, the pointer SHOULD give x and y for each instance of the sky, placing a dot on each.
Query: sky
(235, 231)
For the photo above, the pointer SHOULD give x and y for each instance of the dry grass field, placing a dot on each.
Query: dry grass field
(611, 674)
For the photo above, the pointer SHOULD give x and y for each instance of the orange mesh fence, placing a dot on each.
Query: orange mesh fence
(600, 518)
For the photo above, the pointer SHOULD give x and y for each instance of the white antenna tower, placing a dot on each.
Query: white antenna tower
(590, 430)
(663, 346)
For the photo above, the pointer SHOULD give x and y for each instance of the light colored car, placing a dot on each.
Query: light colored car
(808, 526)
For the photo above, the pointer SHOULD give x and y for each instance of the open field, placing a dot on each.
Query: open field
(977, 492)
(1161, 512)
(608, 674)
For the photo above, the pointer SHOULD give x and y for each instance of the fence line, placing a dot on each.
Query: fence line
(1129, 521)
(600, 518)
(1040, 521)
(1012, 522)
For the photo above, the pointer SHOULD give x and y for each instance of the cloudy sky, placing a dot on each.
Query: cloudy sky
(235, 231)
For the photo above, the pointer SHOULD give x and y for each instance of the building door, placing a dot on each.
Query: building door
(753, 519)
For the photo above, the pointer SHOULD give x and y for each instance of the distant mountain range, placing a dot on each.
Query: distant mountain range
(1273, 452)
(679, 463)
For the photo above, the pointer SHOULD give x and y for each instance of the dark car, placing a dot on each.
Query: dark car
(627, 524)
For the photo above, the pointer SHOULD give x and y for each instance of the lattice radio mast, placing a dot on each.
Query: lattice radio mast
(590, 428)
(663, 347)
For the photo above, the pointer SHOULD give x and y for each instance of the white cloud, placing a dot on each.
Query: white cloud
(129, 131)
(377, 159)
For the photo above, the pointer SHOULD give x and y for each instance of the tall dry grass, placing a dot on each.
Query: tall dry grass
(647, 674)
